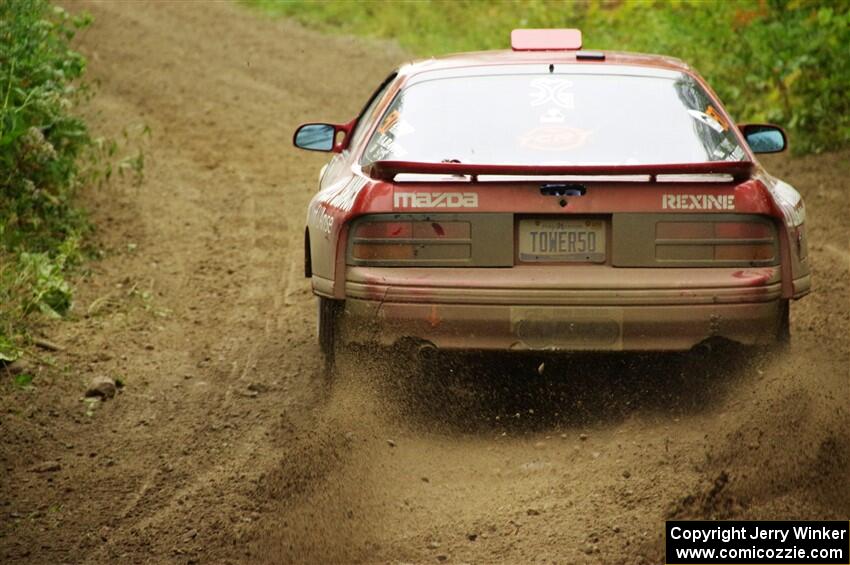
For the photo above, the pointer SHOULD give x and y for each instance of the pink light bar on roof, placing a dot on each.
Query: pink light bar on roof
(545, 39)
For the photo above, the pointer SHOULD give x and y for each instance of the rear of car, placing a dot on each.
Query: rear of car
(555, 202)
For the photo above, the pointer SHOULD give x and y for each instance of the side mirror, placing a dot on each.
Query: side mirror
(315, 137)
(764, 138)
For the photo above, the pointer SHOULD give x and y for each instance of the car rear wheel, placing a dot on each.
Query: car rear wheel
(783, 335)
(328, 330)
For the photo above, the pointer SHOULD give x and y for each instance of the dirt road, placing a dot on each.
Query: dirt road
(223, 447)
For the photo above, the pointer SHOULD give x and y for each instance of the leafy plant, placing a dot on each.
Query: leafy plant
(41, 141)
(49, 293)
(46, 155)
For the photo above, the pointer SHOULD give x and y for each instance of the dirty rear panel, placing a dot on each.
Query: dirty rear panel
(689, 240)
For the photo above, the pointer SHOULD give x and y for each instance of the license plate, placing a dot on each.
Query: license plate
(575, 240)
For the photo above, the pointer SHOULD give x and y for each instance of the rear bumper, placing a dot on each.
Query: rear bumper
(592, 309)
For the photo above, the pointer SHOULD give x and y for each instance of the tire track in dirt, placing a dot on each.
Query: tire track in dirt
(260, 240)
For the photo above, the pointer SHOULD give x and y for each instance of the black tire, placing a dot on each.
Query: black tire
(782, 342)
(783, 335)
(328, 329)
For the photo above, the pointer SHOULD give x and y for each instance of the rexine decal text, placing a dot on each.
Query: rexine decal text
(435, 200)
(698, 201)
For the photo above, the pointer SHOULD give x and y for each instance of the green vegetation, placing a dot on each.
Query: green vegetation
(23, 380)
(46, 155)
(781, 61)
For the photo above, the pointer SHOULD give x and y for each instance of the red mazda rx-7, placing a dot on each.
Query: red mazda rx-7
(551, 198)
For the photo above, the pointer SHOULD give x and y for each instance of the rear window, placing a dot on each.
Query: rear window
(555, 119)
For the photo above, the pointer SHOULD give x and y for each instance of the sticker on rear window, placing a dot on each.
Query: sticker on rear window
(389, 121)
(553, 116)
(393, 125)
(552, 90)
(385, 145)
(706, 119)
(717, 117)
(554, 138)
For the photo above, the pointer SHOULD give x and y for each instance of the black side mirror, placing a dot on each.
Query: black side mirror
(315, 137)
(764, 138)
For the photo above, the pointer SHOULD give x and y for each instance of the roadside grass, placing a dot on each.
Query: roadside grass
(47, 156)
(781, 61)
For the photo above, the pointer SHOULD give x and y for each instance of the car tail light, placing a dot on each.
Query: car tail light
(389, 251)
(683, 230)
(761, 252)
(720, 241)
(377, 230)
(421, 241)
(743, 230)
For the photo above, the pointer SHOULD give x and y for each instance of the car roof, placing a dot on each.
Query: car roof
(616, 59)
